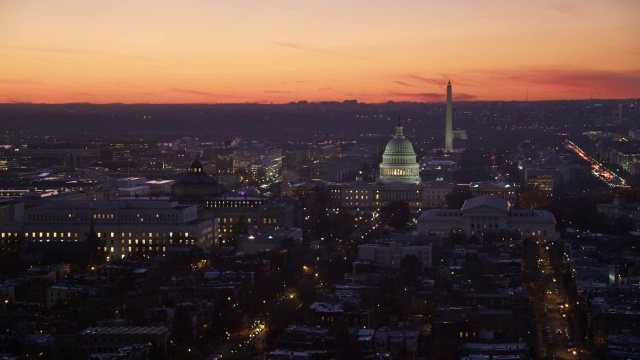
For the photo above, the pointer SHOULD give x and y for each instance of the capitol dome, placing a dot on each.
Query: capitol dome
(399, 163)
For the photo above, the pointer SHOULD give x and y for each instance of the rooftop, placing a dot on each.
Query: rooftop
(138, 330)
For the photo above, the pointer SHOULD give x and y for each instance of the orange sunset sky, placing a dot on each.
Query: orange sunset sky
(215, 51)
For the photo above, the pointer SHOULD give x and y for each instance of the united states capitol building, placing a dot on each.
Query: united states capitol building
(399, 179)
(489, 211)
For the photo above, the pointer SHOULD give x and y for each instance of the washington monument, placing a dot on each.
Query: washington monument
(448, 135)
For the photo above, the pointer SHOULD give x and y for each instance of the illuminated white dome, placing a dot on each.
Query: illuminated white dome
(399, 163)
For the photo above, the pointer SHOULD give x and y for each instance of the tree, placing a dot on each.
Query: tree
(337, 267)
(411, 264)
(182, 330)
(473, 166)
(276, 260)
(343, 224)
(307, 290)
(189, 354)
(315, 207)
(344, 345)
(396, 214)
(622, 224)
(410, 273)
(456, 198)
(533, 199)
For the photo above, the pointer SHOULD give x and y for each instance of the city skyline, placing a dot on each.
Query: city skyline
(282, 51)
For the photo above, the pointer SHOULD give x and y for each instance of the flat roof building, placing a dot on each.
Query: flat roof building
(488, 213)
(124, 227)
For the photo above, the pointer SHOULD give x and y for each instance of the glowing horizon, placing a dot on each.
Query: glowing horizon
(279, 51)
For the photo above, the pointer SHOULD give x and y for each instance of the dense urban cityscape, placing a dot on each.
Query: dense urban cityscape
(319, 180)
(362, 237)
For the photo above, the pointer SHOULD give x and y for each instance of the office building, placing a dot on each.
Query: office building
(488, 213)
(140, 227)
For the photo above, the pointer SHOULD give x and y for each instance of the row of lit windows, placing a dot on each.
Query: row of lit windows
(85, 217)
(236, 206)
(54, 240)
(12, 193)
(150, 217)
(399, 172)
(230, 221)
(358, 197)
(535, 232)
(494, 193)
(68, 234)
(144, 242)
(58, 217)
(151, 248)
(150, 234)
(235, 203)
(50, 234)
(473, 232)
(466, 334)
(351, 204)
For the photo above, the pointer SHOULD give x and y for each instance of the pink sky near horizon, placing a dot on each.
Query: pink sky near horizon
(198, 51)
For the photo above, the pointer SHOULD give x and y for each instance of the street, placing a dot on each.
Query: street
(558, 337)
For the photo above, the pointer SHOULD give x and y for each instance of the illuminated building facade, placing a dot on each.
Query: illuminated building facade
(399, 180)
(222, 157)
(239, 214)
(545, 180)
(399, 165)
(124, 227)
(271, 157)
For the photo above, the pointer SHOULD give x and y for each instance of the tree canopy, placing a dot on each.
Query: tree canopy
(456, 198)
(533, 200)
(396, 214)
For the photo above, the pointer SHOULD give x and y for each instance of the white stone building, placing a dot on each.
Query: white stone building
(488, 212)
